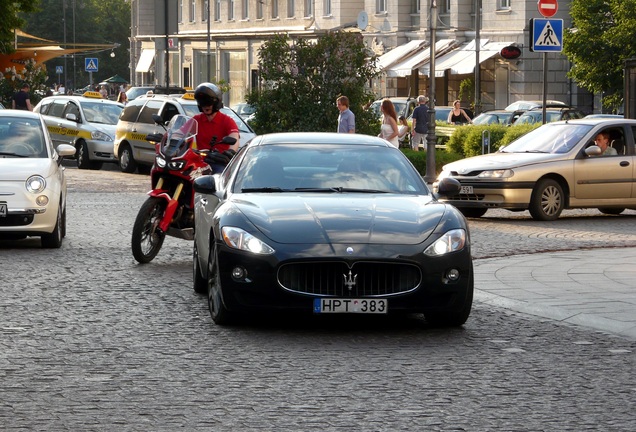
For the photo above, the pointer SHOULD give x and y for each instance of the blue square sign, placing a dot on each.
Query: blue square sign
(90, 64)
(546, 35)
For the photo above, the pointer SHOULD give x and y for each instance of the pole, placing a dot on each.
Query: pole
(65, 55)
(477, 64)
(545, 84)
(208, 58)
(74, 69)
(431, 139)
(167, 48)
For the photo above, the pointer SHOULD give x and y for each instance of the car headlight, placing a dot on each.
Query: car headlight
(100, 136)
(507, 173)
(451, 241)
(238, 238)
(35, 184)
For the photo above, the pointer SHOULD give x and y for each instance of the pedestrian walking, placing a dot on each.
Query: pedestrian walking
(22, 99)
(346, 118)
(420, 123)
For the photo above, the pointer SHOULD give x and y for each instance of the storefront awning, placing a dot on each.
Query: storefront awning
(406, 65)
(145, 60)
(462, 60)
(397, 54)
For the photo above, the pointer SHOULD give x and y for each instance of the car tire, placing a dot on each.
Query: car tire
(200, 283)
(611, 211)
(54, 240)
(83, 158)
(472, 212)
(127, 162)
(219, 313)
(547, 201)
(458, 317)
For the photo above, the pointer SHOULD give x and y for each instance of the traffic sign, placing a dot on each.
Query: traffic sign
(546, 35)
(59, 69)
(91, 64)
(548, 8)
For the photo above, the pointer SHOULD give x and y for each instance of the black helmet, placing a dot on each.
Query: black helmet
(208, 94)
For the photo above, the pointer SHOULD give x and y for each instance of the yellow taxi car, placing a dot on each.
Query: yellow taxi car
(86, 122)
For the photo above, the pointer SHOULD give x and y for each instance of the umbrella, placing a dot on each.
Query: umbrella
(115, 79)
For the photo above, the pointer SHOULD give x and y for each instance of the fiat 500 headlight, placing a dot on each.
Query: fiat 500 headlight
(35, 184)
(238, 238)
(451, 241)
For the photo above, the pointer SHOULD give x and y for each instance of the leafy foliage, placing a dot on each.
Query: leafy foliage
(302, 80)
(602, 37)
(467, 140)
(11, 81)
(10, 20)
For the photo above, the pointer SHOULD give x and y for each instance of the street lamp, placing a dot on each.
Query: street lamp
(431, 139)
(208, 57)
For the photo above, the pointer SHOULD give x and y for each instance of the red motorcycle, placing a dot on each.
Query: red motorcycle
(169, 209)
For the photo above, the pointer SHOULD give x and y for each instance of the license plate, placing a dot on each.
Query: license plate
(350, 305)
(3, 210)
(466, 190)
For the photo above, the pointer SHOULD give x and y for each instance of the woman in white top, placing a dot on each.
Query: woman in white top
(389, 129)
(403, 130)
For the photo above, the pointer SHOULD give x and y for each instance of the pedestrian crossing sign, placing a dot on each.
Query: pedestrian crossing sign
(90, 64)
(546, 35)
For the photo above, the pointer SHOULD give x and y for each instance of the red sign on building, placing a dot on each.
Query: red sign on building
(548, 8)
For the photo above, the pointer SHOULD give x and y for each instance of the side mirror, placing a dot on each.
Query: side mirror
(593, 150)
(447, 186)
(72, 117)
(205, 184)
(155, 137)
(228, 140)
(158, 120)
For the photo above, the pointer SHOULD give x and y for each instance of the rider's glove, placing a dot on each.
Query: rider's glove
(216, 158)
(229, 153)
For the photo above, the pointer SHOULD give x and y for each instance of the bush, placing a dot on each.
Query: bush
(442, 157)
(467, 140)
(515, 132)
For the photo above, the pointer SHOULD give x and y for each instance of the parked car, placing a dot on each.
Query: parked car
(328, 223)
(501, 117)
(86, 122)
(403, 106)
(33, 187)
(554, 167)
(245, 110)
(131, 148)
(535, 115)
(529, 104)
(134, 92)
(604, 116)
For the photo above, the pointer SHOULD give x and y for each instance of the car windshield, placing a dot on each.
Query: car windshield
(492, 118)
(22, 138)
(549, 138)
(327, 169)
(104, 113)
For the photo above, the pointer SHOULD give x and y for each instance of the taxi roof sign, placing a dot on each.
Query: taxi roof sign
(93, 94)
(188, 96)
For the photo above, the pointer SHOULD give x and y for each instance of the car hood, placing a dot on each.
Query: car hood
(20, 169)
(106, 128)
(495, 161)
(341, 218)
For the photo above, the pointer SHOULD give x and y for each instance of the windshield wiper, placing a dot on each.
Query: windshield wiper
(339, 189)
(262, 189)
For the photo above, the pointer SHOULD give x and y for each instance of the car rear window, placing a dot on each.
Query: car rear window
(152, 107)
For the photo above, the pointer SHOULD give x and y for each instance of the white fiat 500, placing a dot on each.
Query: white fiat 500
(32, 184)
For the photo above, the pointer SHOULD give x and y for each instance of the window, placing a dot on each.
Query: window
(217, 10)
(180, 12)
(415, 6)
(380, 6)
(259, 9)
(327, 8)
(309, 8)
(230, 10)
(193, 5)
(274, 8)
(290, 9)
(206, 8)
(503, 4)
(246, 9)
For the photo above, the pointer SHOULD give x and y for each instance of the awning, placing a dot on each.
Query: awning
(145, 60)
(462, 60)
(397, 54)
(407, 64)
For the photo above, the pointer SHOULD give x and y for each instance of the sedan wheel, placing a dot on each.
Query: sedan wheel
(127, 162)
(471, 212)
(611, 211)
(219, 313)
(83, 158)
(200, 283)
(547, 200)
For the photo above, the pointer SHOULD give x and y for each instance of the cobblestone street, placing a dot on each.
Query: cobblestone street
(92, 341)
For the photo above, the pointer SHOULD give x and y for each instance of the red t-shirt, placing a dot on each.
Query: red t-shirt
(221, 126)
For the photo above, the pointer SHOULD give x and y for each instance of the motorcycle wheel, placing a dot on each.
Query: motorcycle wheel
(146, 236)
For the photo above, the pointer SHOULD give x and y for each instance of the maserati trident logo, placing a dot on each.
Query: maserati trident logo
(350, 281)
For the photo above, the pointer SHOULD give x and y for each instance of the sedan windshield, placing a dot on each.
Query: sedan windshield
(103, 113)
(327, 169)
(549, 138)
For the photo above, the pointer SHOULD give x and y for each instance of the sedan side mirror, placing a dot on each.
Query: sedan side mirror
(448, 186)
(593, 150)
(205, 184)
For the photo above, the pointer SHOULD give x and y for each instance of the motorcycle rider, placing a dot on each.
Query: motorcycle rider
(213, 125)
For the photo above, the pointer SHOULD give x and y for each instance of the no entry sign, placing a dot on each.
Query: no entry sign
(548, 8)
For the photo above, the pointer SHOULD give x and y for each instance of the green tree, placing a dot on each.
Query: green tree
(10, 19)
(302, 80)
(602, 37)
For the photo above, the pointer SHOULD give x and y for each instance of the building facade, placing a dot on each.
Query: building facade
(219, 40)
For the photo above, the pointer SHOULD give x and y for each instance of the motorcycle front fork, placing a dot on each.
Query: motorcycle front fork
(171, 208)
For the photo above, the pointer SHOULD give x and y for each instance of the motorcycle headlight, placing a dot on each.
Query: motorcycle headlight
(451, 241)
(238, 238)
(100, 136)
(161, 162)
(176, 165)
(507, 173)
(35, 184)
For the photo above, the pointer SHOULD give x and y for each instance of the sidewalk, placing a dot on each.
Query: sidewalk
(592, 288)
